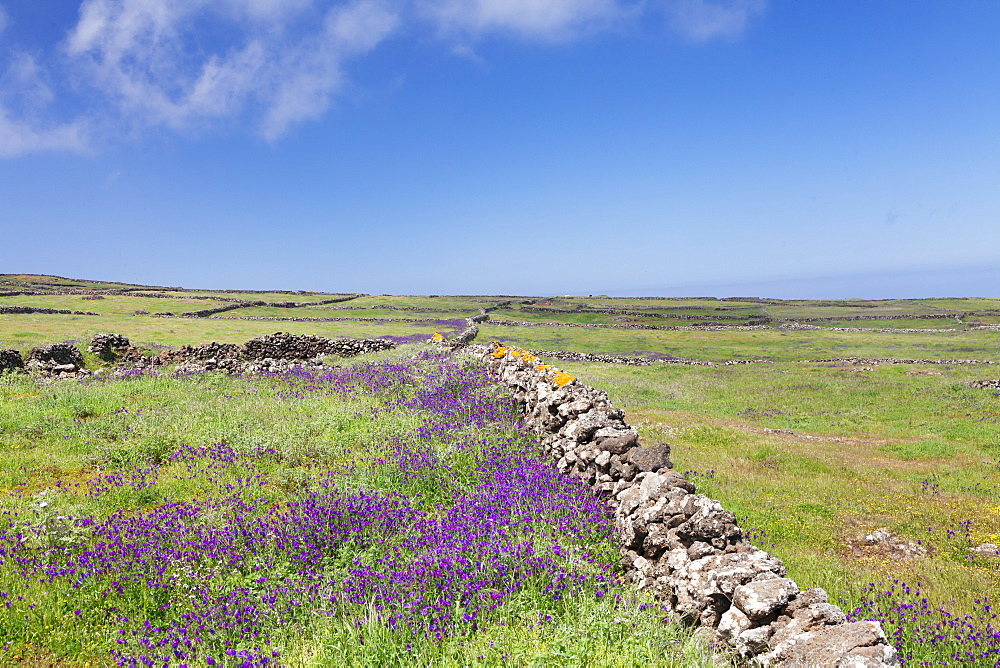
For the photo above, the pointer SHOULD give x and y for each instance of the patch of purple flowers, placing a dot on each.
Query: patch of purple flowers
(930, 635)
(209, 580)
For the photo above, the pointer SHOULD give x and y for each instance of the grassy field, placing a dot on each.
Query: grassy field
(320, 312)
(25, 331)
(774, 344)
(909, 448)
(111, 304)
(813, 456)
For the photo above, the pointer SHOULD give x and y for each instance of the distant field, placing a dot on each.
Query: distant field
(423, 302)
(111, 304)
(915, 323)
(320, 312)
(767, 343)
(26, 331)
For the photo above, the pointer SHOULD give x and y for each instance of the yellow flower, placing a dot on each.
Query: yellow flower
(543, 367)
(437, 337)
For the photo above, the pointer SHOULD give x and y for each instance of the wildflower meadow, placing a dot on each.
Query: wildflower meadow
(382, 512)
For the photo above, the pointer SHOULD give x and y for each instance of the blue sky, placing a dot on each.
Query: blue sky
(660, 147)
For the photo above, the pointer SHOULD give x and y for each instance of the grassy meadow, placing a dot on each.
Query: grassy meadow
(813, 456)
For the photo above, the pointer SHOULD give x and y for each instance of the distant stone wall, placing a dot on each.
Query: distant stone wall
(707, 327)
(682, 547)
(269, 353)
(32, 309)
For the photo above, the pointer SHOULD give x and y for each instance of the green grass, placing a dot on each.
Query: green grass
(773, 344)
(23, 332)
(890, 448)
(429, 303)
(320, 312)
(56, 437)
(930, 323)
(111, 304)
(908, 447)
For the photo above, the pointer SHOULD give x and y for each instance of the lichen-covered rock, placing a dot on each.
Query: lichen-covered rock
(732, 624)
(618, 445)
(854, 644)
(761, 598)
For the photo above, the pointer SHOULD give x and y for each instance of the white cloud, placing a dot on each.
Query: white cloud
(309, 75)
(24, 82)
(285, 66)
(272, 64)
(547, 19)
(20, 137)
(701, 20)
(24, 96)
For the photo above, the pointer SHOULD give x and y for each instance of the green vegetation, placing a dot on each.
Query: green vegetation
(218, 499)
(773, 344)
(906, 447)
(812, 455)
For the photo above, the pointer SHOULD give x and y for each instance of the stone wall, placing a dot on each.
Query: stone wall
(10, 360)
(682, 547)
(630, 325)
(467, 335)
(269, 353)
(32, 309)
(204, 313)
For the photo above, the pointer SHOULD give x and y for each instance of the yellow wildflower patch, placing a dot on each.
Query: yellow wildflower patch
(437, 337)
(543, 367)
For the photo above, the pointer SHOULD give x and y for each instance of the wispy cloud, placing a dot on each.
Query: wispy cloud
(281, 66)
(24, 96)
(23, 136)
(702, 20)
(270, 64)
(546, 19)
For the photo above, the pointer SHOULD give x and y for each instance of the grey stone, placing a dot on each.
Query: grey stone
(753, 641)
(618, 445)
(762, 598)
(732, 624)
(105, 344)
(843, 645)
(651, 458)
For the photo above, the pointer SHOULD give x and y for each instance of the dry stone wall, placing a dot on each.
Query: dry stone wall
(631, 325)
(10, 360)
(681, 546)
(269, 353)
(32, 309)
